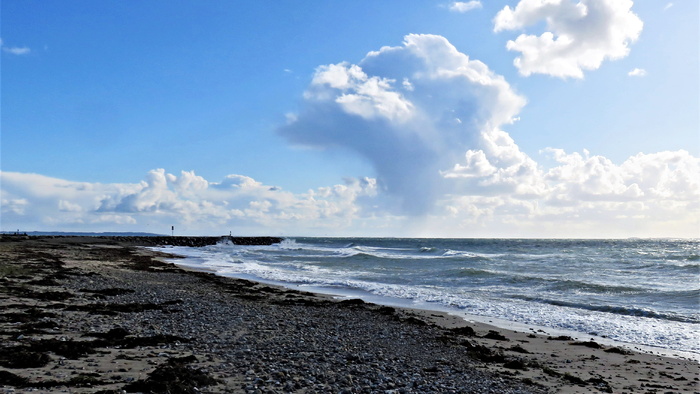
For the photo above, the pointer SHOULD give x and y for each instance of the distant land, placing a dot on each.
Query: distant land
(84, 234)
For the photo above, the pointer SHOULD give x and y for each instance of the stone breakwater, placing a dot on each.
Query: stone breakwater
(193, 241)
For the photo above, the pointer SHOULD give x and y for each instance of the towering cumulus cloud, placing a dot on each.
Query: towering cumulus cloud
(411, 110)
(579, 35)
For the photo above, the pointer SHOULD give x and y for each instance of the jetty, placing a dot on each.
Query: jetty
(155, 240)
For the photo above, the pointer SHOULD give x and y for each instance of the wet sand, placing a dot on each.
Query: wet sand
(101, 315)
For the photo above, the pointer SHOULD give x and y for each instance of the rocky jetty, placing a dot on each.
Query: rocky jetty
(194, 241)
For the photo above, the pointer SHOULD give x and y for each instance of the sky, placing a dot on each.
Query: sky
(519, 118)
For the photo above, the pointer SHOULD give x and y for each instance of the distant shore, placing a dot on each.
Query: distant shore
(102, 314)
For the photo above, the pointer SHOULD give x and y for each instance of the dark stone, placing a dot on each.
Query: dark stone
(483, 353)
(386, 310)
(516, 364)
(465, 331)
(590, 344)
(618, 350)
(518, 349)
(496, 336)
(574, 379)
(352, 302)
(561, 338)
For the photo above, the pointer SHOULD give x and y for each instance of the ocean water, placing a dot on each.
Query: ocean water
(640, 292)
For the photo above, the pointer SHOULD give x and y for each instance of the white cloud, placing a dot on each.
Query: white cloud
(648, 195)
(163, 199)
(637, 72)
(17, 50)
(15, 206)
(465, 6)
(14, 50)
(369, 97)
(444, 160)
(497, 191)
(428, 118)
(579, 36)
(112, 220)
(67, 206)
(411, 110)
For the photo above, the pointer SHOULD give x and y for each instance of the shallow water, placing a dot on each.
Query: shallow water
(643, 292)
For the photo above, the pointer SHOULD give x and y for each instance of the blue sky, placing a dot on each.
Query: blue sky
(98, 97)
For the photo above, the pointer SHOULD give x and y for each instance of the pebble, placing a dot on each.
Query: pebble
(266, 345)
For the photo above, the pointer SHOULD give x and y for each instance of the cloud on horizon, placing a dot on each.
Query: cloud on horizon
(579, 35)
(163, 199)
(648, 195)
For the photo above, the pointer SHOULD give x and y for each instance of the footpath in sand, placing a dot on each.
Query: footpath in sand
(101, 315)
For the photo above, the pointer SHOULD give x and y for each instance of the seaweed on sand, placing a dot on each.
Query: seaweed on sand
(175, 377)
(23, 357)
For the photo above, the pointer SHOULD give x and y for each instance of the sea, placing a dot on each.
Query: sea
(641, 292)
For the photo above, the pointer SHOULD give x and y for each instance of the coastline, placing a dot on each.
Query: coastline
(139, 320)
(455, 315)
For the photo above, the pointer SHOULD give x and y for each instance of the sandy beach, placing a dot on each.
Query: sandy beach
(105, 315)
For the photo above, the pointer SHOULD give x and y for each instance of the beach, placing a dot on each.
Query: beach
(104, 314)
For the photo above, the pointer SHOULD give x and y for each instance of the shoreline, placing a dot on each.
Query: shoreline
(492, 322)
(340, 292)
(152, 318)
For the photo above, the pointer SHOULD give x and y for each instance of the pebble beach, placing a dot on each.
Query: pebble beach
(106, 315)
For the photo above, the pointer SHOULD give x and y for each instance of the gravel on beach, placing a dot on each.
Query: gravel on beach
(88, 315)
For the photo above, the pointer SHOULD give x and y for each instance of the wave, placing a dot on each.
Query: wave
(634, 296)
(618, 310)
(470, 272)
(396, 254)
(357, 248)
(682, 257)
(543, 282)
(596, 288)
(449, 253)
